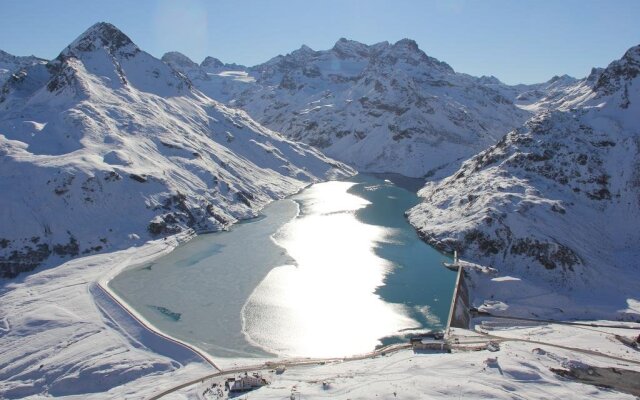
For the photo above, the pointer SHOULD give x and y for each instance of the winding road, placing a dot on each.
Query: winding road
(288, 363)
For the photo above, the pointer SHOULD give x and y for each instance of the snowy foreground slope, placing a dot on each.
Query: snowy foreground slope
(382, 108)
(106, 147)
(519, 370)
(555, 202)
(59, 338)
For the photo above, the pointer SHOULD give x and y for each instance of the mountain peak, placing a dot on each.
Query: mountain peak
(489, 80)
(211, 62)
(101, 34)
(619, 72)
(407, 43)
(350, 48)
(632, 55)
(303, 51)
(306, 49)
(178, 59)
(564, 79)
(408, 50)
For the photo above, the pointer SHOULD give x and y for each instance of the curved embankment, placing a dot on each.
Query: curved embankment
(142, 335)
(139, 332)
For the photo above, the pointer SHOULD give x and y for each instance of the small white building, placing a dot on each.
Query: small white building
(246, 383)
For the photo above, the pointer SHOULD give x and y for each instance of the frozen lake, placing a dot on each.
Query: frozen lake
(335, 270)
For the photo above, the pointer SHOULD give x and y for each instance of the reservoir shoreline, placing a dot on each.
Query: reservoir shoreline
(390, 278)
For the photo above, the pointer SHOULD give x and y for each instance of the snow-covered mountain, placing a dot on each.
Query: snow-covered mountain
(384, 107)
(560, 92)
(219, 81)
(10, 64)
(558, 199)
(106, 146)
(533, 96)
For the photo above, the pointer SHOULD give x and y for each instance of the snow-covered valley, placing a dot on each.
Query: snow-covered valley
(110, 157)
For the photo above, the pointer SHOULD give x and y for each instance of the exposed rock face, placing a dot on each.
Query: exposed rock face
(384, 107)
(620, 73)
(560, 193)
(207, 63)
(106, 147)
(102, 36)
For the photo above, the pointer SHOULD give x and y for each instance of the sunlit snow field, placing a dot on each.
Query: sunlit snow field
(333, 271)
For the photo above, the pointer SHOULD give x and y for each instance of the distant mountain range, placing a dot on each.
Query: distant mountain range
(383, 108)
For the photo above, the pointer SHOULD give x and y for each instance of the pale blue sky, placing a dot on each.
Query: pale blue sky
(516, 40)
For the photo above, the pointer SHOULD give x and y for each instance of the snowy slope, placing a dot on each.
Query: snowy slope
(384, 107)
(534, 96)
(10, 64)
(57, 340)
(556, 201)
(558, 93)
(218, 80)
(106, 147)
(518, 371)
(543, 93)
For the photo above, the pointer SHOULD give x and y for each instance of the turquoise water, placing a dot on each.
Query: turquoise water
(333, 271)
